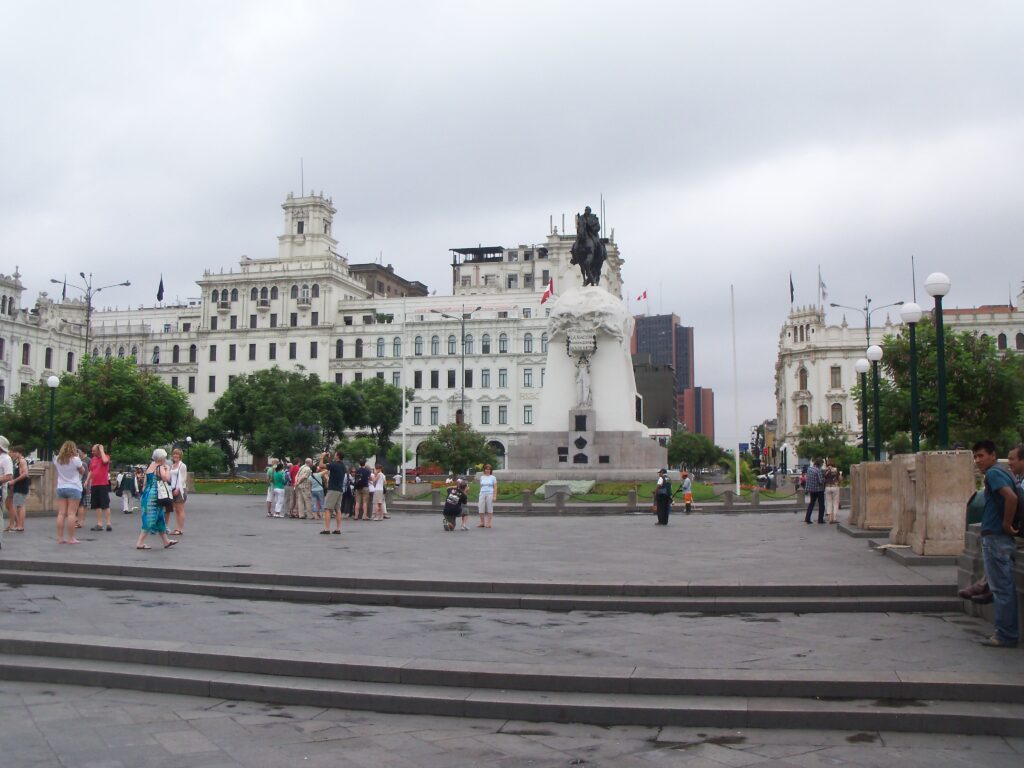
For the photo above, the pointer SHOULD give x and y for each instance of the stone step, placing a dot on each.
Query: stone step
(916, 715)
(443, 598)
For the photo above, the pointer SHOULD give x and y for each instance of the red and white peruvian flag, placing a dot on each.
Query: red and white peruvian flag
(642, 296)
(549, 291)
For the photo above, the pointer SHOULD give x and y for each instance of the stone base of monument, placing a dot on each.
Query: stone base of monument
(944, 481)
(586, 452)
(904, 469)
(871, 495)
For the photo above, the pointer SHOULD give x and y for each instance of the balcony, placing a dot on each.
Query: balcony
(263, 305)
(304, 301)
(224, 306)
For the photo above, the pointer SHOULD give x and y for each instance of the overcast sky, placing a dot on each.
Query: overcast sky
(733, 141)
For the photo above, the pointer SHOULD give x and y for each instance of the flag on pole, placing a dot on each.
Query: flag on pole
(792, 294)
(160, 290)
(642, 296)
(549, 291)
(64, 293)
(822, 290)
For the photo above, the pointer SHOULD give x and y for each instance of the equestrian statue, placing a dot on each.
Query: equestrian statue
(588, 251)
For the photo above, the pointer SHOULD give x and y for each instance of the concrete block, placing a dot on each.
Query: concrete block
(904, 468)
(944, 480)
(873, 495)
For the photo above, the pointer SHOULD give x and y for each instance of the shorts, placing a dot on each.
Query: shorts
(486, 504)
(19, 499)
(86, 496)
(332, 502)
(363, 495)
(100, 497)
(270, 494)
(69, 493)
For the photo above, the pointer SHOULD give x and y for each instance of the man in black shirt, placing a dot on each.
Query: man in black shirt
(336, 473)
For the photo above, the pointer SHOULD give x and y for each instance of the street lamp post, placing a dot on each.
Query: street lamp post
(874, 355)
(861, 367)
(937, 284)
(53, 382)
(462, 322)
(89, 292)
(911, 314)
(188, 450)
(866, 313)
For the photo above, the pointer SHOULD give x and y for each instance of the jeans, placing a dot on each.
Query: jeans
(318, 501)
(817, 497)
(998, 552)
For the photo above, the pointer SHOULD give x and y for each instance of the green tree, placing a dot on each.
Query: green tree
(825, 440)
(692, 450)
(375, 405)
(107, 400)
(456, 447)
(205, 459)
(358, 447)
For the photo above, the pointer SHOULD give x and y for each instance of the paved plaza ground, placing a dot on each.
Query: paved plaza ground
(60, 725)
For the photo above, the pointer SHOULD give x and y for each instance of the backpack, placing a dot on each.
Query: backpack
(1018, 515)
(453, 504)
(665, 489)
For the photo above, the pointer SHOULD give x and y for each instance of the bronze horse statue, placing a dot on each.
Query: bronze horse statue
(588, 251)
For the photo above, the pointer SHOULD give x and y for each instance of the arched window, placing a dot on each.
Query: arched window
(175, 354)
(451, 344)
(156, 355)
(503, 344)
(234, 294)
(273, 293)
(10, 306)
(435, 345)
(3, 306)
(135, 353)
(1020, 341)
(215, 296)
(984, 336)
(396, 347)
(803, 414)
(26, 353)
(192, 353)
(71, 361)
(528, 344)
(485, 344)
(316, 291)
(468, 345)
(417, 346)
(380, 347)
(108, 352)
(295, 292)
(339, 349)
(1001, 341)
(120, 352)
(543, 343)
(264, 293)
(801, 333)
(95, 351)
(304, 293)
(254, 294)
(359, 348)
(837, 413)
(802, 376)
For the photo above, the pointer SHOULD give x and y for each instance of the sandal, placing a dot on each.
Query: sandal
(176, 533)
(325, 533)
(144, 546)
(170, 543)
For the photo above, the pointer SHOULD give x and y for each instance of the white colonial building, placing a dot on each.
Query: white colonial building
(815, 376)
(305, 310)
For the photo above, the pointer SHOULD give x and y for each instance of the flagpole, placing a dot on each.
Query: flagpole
(405, 405)
(735, 387)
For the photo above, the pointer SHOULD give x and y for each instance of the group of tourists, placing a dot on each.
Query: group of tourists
(457, 499)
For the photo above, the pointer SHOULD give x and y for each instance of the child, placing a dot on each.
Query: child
(453, 504)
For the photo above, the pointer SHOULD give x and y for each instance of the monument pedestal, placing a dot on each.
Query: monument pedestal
(944, 481)
(904, 471)
(871, 494)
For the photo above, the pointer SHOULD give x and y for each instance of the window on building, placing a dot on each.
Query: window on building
(48, 357)
(252, 321)
(26, 353)
(503, 344)
(467, 347)
(156, 355)
(339, 349)
(314, 318)
(451, 344)
(213, 323)
(135, 353)
(802, 376)
(273, 320)
(468, 381)
(1020, 341)
(71, 362)
(396, 379)
(528, 344)
(264, 293)
(435, 379)
(837, 413)
(293, 350)
(433, 415)
(233, 322)
(417, 346)
(315, 291)
(193, 353)
(527, 311)
(417, 379)
(837, 377)
(273, 293)
(234, 294)
(191, 385)
(231, 351)
(527, 377)
(435, 345)
(542, 377)
(339, 378)
(359, 348)
(254, 294)
(252, 351)
(502, 378)
(313, 350)
(272, 351)
(1001, 341)
(527, 414)
(503, 414)
(213, 383)
(543, 343)
(451, 379)
(485, 344)
(804, 415)
(175, 354)
(3, 343)
(213, 353)
(380, 347)
(417, 415)
(174, 381)
(380, 375)
(485, 414)
(512, 282)
(300, 227)
(485, 378)
(294, 292)
(396, 347)
(215, 296)
(293, 319)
